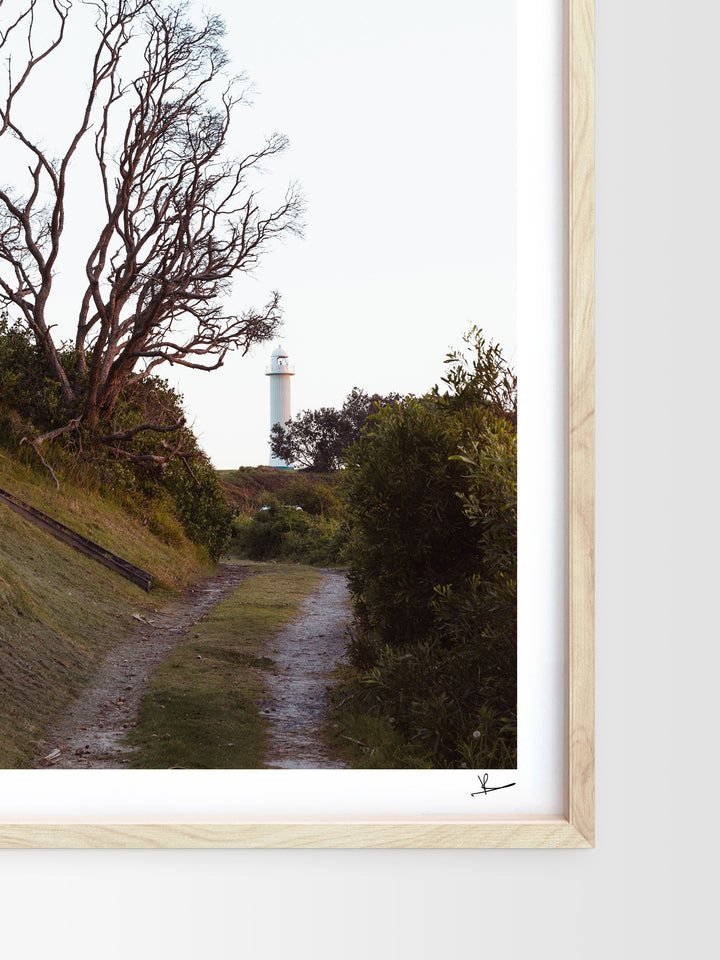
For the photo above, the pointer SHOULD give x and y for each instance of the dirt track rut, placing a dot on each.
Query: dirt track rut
(90, 735)
(305, 653)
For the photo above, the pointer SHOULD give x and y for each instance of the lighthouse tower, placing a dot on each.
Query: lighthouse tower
(279, 371)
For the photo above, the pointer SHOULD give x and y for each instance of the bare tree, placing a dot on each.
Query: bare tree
(181, 218)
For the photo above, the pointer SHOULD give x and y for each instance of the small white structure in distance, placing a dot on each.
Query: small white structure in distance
(279, 371)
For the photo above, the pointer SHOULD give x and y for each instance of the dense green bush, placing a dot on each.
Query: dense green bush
(200, 503)
(410, 532)
(299, 522)
(30, 400)
(315, 497)
(431, 494)
(282, 532)
(185, 490)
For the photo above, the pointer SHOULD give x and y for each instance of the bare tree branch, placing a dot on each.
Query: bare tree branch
(26, 20)
(37, 442)
(182, 215)
(121, 435)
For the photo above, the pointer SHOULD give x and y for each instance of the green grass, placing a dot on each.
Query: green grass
(375, 740)
(201, 710)
(174, 564)
(367, 742)
(61, 612)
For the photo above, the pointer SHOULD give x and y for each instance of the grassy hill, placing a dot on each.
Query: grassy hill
(246, 487)
(60, 612)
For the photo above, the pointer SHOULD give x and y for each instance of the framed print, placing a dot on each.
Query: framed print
(448, 172)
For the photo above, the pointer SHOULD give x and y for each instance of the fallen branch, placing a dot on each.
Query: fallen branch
(36, 443)
(365, 746)
(162, 461)
(51, 434)
(184, 459)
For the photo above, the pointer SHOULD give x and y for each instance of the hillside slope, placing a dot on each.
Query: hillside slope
(60, 612)
(246, 488)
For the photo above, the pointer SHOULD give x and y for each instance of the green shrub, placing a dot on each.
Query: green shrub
(200, 503)
(314, 497)
(410, 532)
(283, 532)
(30, 400)
(432, 503)
(186, 490)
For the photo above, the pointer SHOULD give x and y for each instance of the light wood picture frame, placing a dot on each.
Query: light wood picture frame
(574, 827)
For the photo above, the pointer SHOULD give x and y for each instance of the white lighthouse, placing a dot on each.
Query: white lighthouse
(279, 371)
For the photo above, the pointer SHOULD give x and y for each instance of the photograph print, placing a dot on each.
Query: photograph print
(258, 393)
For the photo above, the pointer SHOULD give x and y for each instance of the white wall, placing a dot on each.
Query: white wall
(644, 891)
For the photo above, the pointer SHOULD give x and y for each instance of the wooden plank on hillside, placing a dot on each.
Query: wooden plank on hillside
(90, 549)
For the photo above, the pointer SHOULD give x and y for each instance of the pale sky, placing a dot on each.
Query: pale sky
(401, 120)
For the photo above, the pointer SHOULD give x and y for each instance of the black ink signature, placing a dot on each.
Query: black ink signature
(486, 789)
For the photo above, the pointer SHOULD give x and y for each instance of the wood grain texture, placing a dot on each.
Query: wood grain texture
(364, 833)
(575, 827)
(580, 785)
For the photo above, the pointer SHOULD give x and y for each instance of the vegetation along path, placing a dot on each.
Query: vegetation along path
(296, 669)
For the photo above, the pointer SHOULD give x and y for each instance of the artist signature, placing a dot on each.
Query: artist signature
(486, 789)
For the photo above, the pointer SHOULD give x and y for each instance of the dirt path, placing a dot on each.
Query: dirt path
(305, 652)
(90, 733)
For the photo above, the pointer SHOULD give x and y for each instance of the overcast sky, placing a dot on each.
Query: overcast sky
(401, 120)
